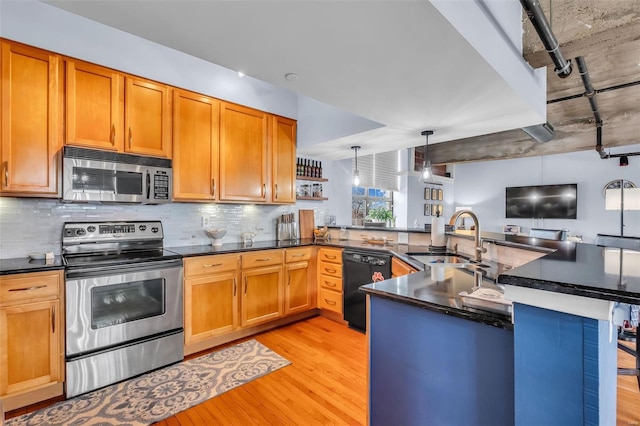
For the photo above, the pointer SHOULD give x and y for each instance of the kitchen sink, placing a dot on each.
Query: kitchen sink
(447, 259)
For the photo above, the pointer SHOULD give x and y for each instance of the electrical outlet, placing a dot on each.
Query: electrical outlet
(205, 221)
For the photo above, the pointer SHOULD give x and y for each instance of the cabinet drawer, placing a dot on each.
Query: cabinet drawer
(331, 269)
(34, 285)
(329, 299)
(203, 265)
(262, 258)
(330, 283)
(330, 255)
(297, 254)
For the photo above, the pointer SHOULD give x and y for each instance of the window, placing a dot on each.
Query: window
(364, 200)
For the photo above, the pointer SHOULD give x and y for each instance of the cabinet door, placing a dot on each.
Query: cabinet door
(31, 132)
(147, 118)
(262, 298)
(399, 268)
(283, 161)
(30, 346)
(299, 289)
(211, 306)
(196, 129)
(243, 154)
(94, 110)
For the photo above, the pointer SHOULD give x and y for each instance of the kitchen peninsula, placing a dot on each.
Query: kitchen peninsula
(558, 366)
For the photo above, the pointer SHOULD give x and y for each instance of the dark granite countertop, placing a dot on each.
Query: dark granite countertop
(422, 290)
(426, 229)
(21, 265)
(205, 250)
(593, 272)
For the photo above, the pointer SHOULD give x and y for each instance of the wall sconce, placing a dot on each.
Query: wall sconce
(426, 175)
(356, 173)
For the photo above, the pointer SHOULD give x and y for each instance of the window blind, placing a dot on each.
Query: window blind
(378, 170)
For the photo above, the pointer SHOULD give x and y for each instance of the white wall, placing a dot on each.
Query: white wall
(482, 186)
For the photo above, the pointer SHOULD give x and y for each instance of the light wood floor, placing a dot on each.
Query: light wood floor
(325, 384)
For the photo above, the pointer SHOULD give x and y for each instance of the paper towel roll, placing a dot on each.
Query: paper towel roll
(437, 232)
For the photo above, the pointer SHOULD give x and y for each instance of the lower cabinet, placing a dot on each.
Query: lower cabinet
(227, 295)
(400, 268)
(330, 280)
(210, 296)
(31, 338)
(262, 296)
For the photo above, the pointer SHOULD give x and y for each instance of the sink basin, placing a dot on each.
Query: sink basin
(449, 260)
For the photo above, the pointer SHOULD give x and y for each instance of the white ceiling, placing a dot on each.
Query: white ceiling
(397, 63)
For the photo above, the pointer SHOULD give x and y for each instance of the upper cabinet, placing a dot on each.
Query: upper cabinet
(196, 131)
(30, 121)
(94, 106)
(283, 165)
(108, 110)
(244, 150)
(147, 108)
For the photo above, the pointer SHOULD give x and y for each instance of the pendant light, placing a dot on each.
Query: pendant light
(426, 175)
(356, 173)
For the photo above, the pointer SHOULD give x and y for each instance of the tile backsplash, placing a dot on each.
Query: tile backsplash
(35, 225)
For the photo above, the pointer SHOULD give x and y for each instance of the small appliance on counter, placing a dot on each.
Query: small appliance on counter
(286, 228)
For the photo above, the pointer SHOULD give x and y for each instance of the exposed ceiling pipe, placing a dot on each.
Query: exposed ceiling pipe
(539, 21)
(590, 93)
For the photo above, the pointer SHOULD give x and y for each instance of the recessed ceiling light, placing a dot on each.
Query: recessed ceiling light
(291, 76)
(240, 74)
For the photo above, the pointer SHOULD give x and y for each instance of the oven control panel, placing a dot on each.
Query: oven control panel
(86, 232)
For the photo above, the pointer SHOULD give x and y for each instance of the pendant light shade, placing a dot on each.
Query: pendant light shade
(356, 173)
(426, 175)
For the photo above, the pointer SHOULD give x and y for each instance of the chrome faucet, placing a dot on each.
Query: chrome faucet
(477, 240)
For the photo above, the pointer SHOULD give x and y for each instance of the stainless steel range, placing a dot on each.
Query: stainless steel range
(124, 302)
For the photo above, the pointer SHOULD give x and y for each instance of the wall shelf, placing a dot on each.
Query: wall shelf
(313, 179)
(312, 198)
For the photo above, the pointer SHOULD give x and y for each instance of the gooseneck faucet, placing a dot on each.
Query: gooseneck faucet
(478, 241)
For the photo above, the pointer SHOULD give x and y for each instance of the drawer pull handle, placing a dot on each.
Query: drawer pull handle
(276, 191)
(213, 187)
(245, 285)
(6, 174)
(331, 271)
(264, 259)
(330, 302)
(113, 134)
(298, 255)
(212, 265)
(330, 284)
(329, 257)
(235, 286)
(130, 137)
(28, 288)
(53, 319)
(264, 190)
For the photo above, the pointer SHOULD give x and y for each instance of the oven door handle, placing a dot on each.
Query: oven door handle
(99, 271)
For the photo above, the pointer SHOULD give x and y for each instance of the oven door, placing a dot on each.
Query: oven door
(112, 306)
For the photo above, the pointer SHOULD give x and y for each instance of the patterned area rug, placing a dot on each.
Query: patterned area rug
(162, 393)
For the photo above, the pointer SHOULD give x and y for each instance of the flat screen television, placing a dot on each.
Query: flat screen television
(542, 202)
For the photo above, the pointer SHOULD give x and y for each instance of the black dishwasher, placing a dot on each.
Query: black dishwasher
(358, 267)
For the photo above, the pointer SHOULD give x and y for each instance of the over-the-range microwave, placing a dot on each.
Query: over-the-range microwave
(90, 175)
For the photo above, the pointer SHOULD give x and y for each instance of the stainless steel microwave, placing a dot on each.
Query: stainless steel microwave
(90, 175)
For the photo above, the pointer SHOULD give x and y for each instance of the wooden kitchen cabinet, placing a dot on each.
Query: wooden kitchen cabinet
(330, 279)
(30, 120)
(262, 295)
(283, 165)
(244, 151)
(196, 130)
(94, 106)
(109, 110)
(300, 287)
(31, 338)
(147, 120)
(400, 268)
(210, 296)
